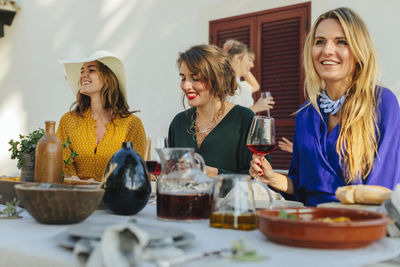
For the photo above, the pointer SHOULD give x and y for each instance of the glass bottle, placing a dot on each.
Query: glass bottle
(49, 157)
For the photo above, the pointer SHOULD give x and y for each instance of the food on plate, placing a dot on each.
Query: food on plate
(363, 194)
(286, 215)
(334, 219)
(75, 180)
(6, 178)
(283, 214)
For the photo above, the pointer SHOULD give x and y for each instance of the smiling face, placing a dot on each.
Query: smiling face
(194, 87)
(332, 57)
(90, 82)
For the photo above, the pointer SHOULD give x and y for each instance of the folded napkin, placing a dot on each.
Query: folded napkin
(123, 245)
(262, 195)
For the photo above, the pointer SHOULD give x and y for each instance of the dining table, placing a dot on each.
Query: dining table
(26, 242)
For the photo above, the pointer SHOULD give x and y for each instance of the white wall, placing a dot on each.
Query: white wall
(147, 35)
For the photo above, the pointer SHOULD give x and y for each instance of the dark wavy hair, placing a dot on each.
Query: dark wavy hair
(213, 65)
(111, 95)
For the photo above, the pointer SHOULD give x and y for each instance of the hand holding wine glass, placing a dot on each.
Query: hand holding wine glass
(261, 141)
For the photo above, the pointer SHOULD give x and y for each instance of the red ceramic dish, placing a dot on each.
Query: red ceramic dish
(364, 228)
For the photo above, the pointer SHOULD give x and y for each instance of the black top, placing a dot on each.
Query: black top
(224, 147)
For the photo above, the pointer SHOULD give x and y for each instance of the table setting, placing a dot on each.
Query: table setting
(186, 218)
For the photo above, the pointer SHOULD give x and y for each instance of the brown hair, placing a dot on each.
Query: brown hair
(111, 95)
(357, 143)
(211, 63)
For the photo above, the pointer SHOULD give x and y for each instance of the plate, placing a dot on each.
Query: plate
(364, 227)
(350, 206)
(264, 204)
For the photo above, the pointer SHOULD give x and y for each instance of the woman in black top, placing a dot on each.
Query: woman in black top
(216, 129)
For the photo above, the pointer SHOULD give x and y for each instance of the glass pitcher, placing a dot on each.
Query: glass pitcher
(184, 191)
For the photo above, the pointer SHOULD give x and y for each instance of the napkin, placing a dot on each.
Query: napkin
(123, 245)
(261, 195)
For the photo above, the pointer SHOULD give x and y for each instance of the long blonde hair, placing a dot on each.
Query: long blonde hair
(357, 143)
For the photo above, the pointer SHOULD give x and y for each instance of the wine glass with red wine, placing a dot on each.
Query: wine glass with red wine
(261, 141)
(153, 165)
(261, 137)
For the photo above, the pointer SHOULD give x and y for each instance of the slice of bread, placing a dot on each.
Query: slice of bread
(363, 194)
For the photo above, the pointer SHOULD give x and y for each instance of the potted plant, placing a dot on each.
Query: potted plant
(24, 150)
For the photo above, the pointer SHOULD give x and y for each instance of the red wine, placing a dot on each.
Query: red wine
(261, 149)
(154, 167)
(184, 206)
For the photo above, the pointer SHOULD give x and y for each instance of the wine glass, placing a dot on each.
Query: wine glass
(261, 141)
(261, 137)
(266, 95)
(153, 163)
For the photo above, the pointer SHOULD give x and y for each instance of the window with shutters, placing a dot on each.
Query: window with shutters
(277, 37)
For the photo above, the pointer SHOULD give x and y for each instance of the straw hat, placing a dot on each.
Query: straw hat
(73, 69)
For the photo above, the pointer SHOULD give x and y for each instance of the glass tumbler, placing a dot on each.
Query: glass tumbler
(233, 203)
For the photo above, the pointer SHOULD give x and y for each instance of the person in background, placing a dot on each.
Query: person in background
(348, 132)
(242, 61)
(285, 145)
(216, 129)
(100, 120)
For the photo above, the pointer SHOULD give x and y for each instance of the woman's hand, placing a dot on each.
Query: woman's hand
(285, 145)
(262, 170)
(263, 104)
(211, 171)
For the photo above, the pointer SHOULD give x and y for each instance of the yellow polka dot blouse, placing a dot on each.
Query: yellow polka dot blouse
(93, 157)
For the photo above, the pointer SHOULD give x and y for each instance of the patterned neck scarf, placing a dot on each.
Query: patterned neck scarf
(328, 105)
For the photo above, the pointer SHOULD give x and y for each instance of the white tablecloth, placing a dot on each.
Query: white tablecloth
(25, 242)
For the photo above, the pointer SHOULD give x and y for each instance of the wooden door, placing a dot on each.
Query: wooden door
(277, 37)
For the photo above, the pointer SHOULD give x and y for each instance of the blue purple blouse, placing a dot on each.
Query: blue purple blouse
(315, 168)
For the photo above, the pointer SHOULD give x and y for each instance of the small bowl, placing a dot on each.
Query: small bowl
(57, 203)
(7, 190)
(364, 227)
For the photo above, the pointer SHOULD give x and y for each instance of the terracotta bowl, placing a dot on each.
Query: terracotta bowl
(364, 228)
(59, 204)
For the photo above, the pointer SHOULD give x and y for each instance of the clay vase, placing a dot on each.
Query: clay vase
(28, 168)
(128, 187)
(49, 157)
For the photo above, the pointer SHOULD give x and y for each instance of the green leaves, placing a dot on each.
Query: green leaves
(72, 155)
(242, 252)
(11, 210)
(25, 145)
(285, 215)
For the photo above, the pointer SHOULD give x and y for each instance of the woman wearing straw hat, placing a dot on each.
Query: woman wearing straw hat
(100, 120)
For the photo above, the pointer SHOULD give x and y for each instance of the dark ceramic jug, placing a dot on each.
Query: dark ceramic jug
(128, 188)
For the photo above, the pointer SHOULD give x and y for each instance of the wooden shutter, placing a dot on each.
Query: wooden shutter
(280, 48)
(240, 29)
(277, 37)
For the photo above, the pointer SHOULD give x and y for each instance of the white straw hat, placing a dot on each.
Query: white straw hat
(73, 69)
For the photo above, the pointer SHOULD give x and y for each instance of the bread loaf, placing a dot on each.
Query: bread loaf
(363, 194)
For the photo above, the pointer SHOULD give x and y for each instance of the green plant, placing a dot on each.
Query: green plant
(26, 145)
(73, 155)
(11, 211)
